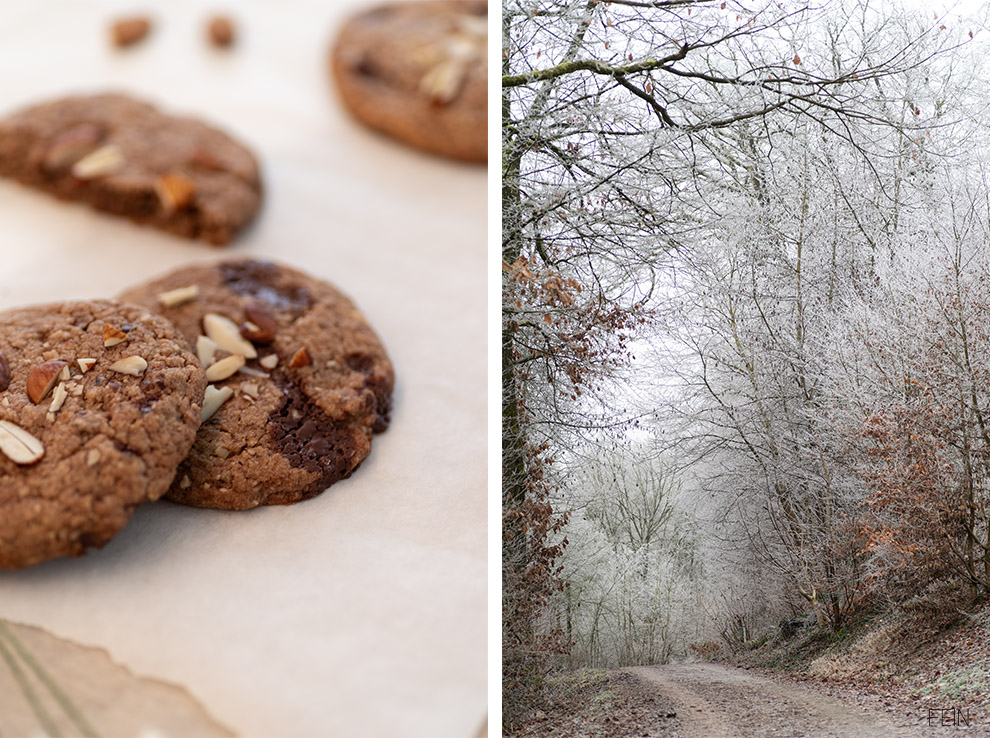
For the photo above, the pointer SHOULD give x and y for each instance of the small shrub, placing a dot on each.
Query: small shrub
(708, 650)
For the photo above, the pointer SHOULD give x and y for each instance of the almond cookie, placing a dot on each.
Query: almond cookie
(418, 72)
(99, 402)
(125, 157)
(299, 382)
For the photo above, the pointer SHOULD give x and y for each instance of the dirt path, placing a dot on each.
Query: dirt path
(713, 701)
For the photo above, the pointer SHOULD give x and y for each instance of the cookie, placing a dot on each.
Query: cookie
(417, 71)
(299, 382)
(127, 158)
(99, 402)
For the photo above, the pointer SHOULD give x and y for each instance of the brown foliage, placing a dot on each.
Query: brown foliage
(913, 526)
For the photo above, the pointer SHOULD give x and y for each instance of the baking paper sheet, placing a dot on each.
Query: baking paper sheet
(362, 611)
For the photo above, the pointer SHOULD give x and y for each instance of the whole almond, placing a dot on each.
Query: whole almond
(221, 31)
(42, 379)
(260, 326)
(18, 445)
(128, 31)
(175, 192)
(4, 373)
(71, 146)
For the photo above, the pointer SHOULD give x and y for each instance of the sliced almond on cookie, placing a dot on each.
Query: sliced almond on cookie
(113, 335)
(133, 365)
(178, 296)
(206, 349)
(227, 335)
(18, 445)
(213, 399)
(224, 368)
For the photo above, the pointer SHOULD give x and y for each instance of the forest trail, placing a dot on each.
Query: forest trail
(713, 701)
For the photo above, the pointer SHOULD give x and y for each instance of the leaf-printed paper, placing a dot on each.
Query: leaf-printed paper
(53, 687)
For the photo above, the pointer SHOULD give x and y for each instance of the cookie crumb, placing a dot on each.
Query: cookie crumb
(186, 482)
(92, 457)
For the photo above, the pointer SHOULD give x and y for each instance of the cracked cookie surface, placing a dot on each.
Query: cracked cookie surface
(300, 382)
(125, 157)
(99, 402)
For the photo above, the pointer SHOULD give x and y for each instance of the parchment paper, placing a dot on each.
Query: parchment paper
(362, 611)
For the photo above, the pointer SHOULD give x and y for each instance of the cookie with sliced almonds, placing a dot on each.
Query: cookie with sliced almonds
(299, 382)
(126, 157)
(417, 71)
(90, 428)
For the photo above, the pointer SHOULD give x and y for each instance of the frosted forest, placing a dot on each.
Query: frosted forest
(745, 323)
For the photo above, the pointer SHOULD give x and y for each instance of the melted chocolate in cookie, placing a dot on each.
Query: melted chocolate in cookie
(259, 279)
(310, 440)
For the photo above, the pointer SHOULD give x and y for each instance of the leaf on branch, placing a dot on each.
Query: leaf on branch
(797, 59)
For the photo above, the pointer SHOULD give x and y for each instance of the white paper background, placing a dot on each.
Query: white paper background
(361, 612)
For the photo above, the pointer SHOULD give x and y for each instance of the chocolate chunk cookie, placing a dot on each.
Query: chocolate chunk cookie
(299, 382)
(418, 71)
(99, 402)
(127, 158)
